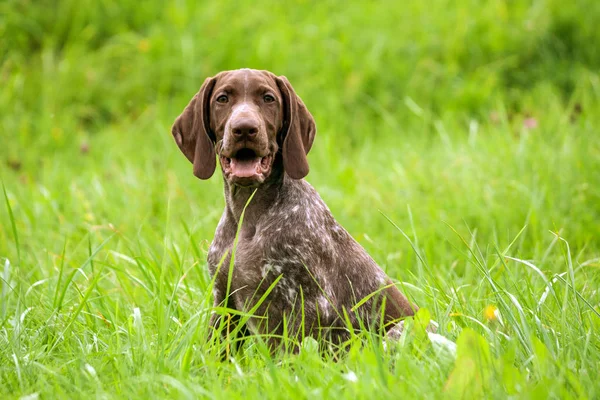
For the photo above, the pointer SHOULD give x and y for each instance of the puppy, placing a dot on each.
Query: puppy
(294, 267)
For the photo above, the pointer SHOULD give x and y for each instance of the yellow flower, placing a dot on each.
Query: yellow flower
(490, 313)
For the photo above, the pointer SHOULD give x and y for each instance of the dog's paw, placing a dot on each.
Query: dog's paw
(440, 343)
(396, 331)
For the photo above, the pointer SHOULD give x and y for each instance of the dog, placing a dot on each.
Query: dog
(294, 267)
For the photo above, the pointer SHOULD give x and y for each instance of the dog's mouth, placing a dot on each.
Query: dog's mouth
(246, 167)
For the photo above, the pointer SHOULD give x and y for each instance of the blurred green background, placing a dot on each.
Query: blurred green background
(93, 86)
(80, 66)
(464, 122)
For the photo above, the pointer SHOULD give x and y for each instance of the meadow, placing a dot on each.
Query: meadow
(457, 142)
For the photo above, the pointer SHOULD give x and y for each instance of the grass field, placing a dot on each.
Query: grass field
(473, 127)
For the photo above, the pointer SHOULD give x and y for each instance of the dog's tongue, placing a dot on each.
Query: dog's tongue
(245, 168)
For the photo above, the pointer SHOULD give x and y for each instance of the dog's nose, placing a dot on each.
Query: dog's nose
(244, 127)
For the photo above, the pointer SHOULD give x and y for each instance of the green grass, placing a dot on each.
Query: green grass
(422, 112)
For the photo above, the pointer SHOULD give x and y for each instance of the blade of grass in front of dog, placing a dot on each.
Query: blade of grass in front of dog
(369, 296)
(349, 325)
(13, 225)
(235, 242)
(250, 313)
(302, 316)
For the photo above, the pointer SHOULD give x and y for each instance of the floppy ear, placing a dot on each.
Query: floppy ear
(298, 131)
(192, 133)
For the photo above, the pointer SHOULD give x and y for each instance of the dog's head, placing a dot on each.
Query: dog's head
(247, 118)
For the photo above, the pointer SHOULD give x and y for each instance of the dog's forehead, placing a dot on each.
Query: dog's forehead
(246, 80)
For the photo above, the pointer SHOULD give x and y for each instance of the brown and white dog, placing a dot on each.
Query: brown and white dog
(322, 281)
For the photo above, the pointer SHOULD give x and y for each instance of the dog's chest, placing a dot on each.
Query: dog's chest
(277, 244)
(253, 249)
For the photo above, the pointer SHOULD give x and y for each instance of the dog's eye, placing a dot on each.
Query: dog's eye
(268, 98)
(222, 99)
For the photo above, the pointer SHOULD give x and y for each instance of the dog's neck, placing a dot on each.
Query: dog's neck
(266, 195)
